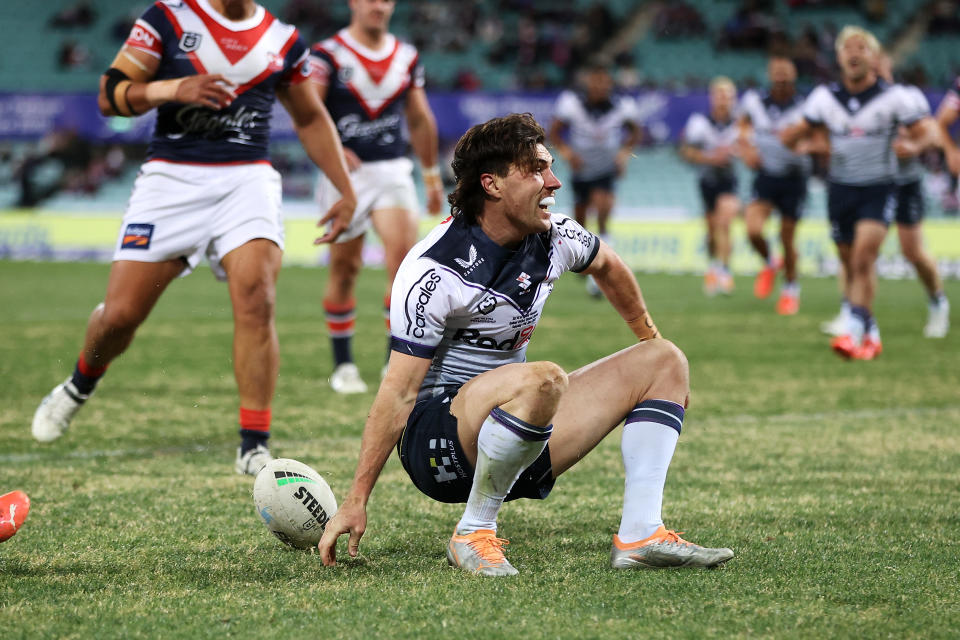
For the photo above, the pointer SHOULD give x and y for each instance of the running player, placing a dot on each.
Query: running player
(212, 68)
(862, 115)
(470, 417)
(603, 130)
(372, 82)
(781, 180)
(710, 141)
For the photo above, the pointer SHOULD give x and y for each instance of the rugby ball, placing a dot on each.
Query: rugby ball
(14, 507)
(294, 502)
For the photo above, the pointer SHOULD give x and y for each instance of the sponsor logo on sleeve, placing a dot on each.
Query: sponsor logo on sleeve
(418, 297)
(137, 236)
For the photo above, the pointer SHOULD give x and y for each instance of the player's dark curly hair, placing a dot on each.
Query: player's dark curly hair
(491, 147)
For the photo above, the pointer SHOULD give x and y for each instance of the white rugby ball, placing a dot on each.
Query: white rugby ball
(294, 502)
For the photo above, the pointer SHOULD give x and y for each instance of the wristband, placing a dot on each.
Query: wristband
(644, 328)
(430, 172)
(114, 78)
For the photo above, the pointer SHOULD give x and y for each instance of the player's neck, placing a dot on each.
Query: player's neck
(498, 229)
(859, 85)
(235, 10)
(373, 39)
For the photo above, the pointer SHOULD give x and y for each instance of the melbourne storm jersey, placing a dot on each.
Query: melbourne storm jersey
(911, 169)
(768, 118)
(258, 55)
(862, 127)
(366, 92)
(596, 130)
(471, 305)
(705, 133)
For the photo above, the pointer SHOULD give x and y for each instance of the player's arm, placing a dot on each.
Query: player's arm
(557, 130)
(916, 138)
(319, 138)
(388, 416)
(620, 286)
(423, 138)
(630, 141)
(127, 88)
(746, 149)
(947, 114)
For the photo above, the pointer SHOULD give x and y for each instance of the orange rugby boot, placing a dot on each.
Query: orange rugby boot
(14, 507)
(844, 346)
(788, 305)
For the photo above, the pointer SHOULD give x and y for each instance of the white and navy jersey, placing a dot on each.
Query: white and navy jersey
(471, 305)
(769, 118)
(258, 55)
(862, 128)
(366, 92)
(706, 134)
(596, 130)
(911, 169)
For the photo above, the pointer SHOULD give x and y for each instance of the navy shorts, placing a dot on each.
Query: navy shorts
(583, 188)
(787, 193)
(431, 454)
(849, 204)
(712, 189)
(910, 203)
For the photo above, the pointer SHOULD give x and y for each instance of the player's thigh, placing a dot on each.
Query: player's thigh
(346, 258)
(756, 215)
(500, 387)
(134, 287)
(728, 204)
(911, 240)
(602, 199)
(600, 395)
(397, 229)
(252, 270)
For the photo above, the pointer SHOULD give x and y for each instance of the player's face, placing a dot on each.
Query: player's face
(372, 15)
(722, 100)
(528, 195)
(599, 85)
(782, 75)
(856, 58)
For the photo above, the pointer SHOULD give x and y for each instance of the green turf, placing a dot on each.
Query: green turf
(836, 483)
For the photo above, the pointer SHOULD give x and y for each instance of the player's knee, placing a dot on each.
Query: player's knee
(121, 318)
(255, 301)
(671, 365)
(545, 379)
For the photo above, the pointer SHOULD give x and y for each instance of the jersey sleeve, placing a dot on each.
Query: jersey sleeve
(566, 107)
(748, 105)
(296, 62)
(631, 111)
(693, 131)
(421, 300)
(918, 102)
(321, 65)
(813, 106)
(575, 246)
(148, 32)
(418, 76)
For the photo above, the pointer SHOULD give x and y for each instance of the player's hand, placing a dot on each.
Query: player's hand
(621, 161)
(905, 148)
(350, 518)
(208, 90)
(435, 198)
(336, 220)
(720, 156)
(576, 162)
(353, 160)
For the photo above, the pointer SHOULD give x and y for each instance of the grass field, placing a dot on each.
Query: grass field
(836, 483)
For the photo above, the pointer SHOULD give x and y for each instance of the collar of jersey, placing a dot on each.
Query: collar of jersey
(242, 25)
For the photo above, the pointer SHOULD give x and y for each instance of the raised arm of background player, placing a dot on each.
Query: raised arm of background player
(947, 114)
(398, 393)
(928, 136)
(128, 89)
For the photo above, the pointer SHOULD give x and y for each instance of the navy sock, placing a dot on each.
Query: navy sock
(250, 439)
(85, 378)
(341, 350)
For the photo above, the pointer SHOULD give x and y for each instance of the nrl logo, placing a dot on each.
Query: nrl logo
(190, 41)
(487, 305)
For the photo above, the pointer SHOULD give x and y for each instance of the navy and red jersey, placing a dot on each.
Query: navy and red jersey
(258, 55)
(366, 92)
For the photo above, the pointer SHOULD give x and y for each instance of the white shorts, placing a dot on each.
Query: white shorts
(383, 184)
(188, 211)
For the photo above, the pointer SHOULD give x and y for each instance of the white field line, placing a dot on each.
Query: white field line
(851, 414)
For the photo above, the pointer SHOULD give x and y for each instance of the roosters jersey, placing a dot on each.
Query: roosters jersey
(471, 305)
(862, 127)
(366, 92)
(769, 118)
(258, 55)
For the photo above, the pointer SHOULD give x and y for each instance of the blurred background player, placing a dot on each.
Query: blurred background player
(862, 115)
(207, 188)
(601, 130)
(781, 180)
(372, 82)
(710, 141)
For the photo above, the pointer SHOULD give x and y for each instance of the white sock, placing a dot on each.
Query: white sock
(649, 438)
(505, 447)
(791, 289)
